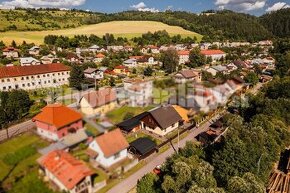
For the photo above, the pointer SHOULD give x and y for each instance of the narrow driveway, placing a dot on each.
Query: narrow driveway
(129, 183)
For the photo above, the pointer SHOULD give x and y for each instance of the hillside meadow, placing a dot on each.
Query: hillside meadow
(128, 29)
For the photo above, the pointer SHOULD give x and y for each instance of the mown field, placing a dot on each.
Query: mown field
(126, 29)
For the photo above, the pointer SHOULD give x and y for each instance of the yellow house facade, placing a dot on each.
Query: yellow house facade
(98, 102)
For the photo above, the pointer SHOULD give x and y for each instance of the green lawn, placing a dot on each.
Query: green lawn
(133, 137)
(117, 115)
(160, 96)
(12, 146)
(91, 129)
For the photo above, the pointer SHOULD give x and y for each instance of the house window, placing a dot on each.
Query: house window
(2, 80)
(117, 155)
(4, 88)
(8, 80)
(27, 77)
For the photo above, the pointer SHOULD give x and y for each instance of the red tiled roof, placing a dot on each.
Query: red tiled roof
(100, 97)
(112, 142)
(136, 57)
(183, 52)
(152, 47)
(100, 55)
(58, 115)
(111, 72)
(15, 71)
(211, 52)
(120, 67)
(9, 49)
(67, 169)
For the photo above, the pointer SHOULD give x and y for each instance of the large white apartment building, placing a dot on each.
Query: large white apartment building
(33, 77)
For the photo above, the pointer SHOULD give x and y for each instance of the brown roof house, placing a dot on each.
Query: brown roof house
(98, 102)
(109, 148)
(161, 120)
(187, 75)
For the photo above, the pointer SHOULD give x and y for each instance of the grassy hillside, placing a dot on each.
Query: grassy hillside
(26, 20)
(127, 29)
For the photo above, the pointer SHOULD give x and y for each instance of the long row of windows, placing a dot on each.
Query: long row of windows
(32, 77)
(33, 84)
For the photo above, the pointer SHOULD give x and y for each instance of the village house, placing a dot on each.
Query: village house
(115, 48)
(128, 48)
(131, 125)
(222, 92)
(49, 59)
(183, 56)
(99, 58)
(94, 48)
(241, 64)
(215, 55)
(56, 121)
(93, 73)
(150, 49)
(130, 63)
(144, 60)
(231, 67)
(217, 69)
(197, 98)
(109, 148)
(34, 50)
(187, 75)
(212, 135)
(138, 91)
(71, 57)
(33, 77)
(98, 102)
(28, 61)
(204, 100)
(121, 70)
(66, 172)
(10, 52)
(205, 46)
(161, 120)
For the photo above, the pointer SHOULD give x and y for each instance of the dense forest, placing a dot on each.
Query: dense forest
(278, 23)
(220, 25)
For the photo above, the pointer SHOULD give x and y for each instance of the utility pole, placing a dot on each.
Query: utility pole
(178, 140)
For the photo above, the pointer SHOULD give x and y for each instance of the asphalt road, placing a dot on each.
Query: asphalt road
(129, 183)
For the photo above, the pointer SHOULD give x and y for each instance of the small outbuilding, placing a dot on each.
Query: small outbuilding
(142, 147)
